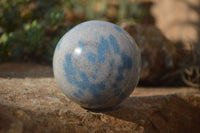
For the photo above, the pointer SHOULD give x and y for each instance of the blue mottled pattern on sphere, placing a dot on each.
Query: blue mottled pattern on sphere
(59, 44)
(102, 49)
(98, 65)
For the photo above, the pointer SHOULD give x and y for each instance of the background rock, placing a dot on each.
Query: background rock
(179, 20)
(157, 52)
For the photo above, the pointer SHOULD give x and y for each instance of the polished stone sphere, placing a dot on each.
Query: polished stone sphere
(97, 64)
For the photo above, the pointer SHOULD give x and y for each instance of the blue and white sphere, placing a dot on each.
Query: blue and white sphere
(97, 64)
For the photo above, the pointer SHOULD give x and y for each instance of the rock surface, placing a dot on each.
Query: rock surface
(157, 52)
(30, 101)
(178, 20)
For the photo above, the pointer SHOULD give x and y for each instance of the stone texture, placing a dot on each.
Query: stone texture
(157, 52)
(36, 104)
(179, 20)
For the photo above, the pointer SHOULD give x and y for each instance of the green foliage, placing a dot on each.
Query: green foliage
(42, 7)
(98, 9)
(131, 11)
(92, 9)
(95, 9)
(33, 39)
(10, 14)
(23, 43)
(30, 34)
(30, 29)
(4, 48)
(55, 17)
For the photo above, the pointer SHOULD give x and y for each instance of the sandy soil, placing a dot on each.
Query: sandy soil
(31, 101)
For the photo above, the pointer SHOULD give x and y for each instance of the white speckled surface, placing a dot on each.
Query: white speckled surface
(97, 64)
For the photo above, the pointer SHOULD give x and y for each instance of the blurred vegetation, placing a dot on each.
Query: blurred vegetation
(30, 29)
